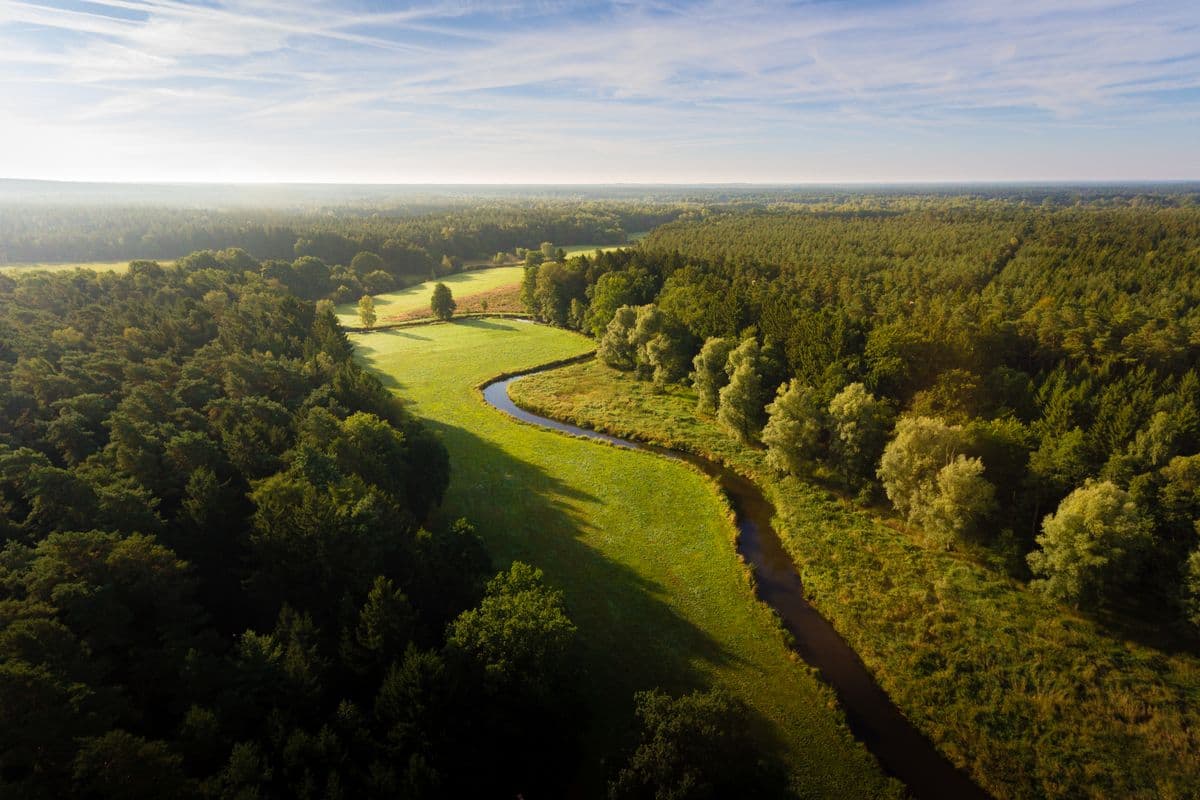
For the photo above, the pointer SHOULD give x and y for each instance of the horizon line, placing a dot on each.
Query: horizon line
(591, 184)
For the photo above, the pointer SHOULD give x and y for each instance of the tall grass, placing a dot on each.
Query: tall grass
(1031, 698)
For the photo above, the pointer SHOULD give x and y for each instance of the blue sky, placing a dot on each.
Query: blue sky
(567, 92)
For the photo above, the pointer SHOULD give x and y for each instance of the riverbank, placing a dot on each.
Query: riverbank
(901, 749)
(1031, 699)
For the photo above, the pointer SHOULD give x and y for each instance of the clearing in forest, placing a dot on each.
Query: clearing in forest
(394, 306)
(95, 266)
(641, 545)
(589, 249)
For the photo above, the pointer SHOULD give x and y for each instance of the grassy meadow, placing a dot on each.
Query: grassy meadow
(414, 301)
(641, 545)
(588, 249)
(95, 266)
(1032, 699)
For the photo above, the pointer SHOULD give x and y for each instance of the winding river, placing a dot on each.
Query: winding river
(900, 748)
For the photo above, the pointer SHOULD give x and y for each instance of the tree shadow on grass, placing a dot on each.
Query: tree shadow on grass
(367, 349)
(1149, 624)
(487, 323)
(369, 343)
(630, 637)
(389, 382)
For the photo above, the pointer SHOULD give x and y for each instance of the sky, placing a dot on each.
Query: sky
(600, 92)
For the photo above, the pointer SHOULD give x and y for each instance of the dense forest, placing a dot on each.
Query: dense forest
(414, 228)
(1018, 381)
(410, 240)
(215, 571)
(218, 576)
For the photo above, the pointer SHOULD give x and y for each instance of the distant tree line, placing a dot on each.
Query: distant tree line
(1013, 378)
(410, 241)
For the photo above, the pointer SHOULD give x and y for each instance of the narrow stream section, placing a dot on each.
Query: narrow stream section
(900, 748)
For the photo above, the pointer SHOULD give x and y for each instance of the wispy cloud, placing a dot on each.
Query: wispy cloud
(711, 90)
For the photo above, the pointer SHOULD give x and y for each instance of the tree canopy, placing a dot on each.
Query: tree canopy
(441, 302)
(219, 575)
(1052, 334)
(1091, 545)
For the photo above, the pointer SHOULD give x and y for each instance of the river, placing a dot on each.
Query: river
(902, 750)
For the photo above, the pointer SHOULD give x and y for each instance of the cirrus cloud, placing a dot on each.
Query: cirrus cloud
(616, 91)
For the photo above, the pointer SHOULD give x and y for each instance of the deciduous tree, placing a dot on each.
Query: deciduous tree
(1191, 589)
(912, 460)
(795, 430)
(961, 497)
(742, 399)
(860, 424)
(441, 303)
(520, 632)
(616, 348)
(709, 376)
(366, 262)
(366, 311)
(1091, 545)
(613, 290)
(695, 747)
(378, 282)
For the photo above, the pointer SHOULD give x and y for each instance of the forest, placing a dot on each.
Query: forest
(977, 421)
(662, 400)
(979, 365)
(410, 238)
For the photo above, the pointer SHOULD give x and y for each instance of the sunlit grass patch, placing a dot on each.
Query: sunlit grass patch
(95, 266)
(395, 306)
(642, 546)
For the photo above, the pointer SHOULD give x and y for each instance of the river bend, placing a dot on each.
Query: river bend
(902, 750)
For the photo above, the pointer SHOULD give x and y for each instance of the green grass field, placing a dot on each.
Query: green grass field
(588, 249)
(642, 547)
(416, 298)
(97, 266)
(1032, 699)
